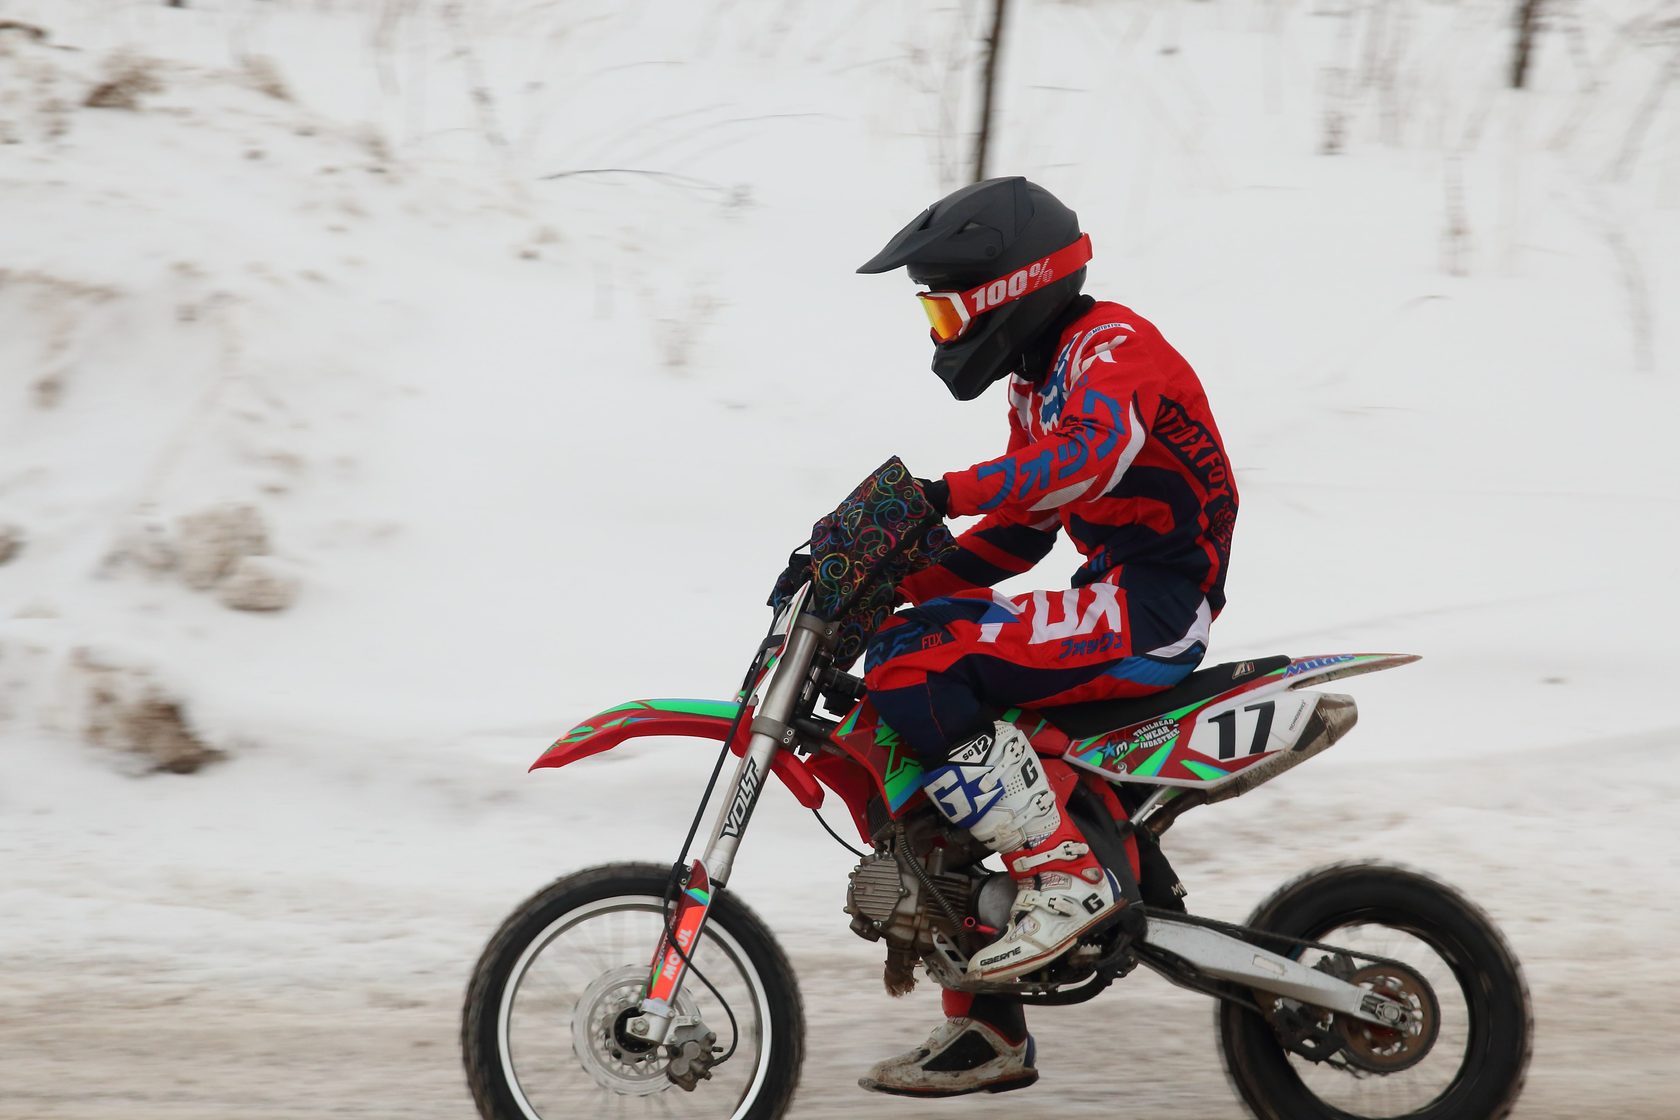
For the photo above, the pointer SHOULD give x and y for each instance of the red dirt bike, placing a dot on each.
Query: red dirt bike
(634, 989)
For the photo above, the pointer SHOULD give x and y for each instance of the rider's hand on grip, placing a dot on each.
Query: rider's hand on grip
(938, 494)
(793, 577)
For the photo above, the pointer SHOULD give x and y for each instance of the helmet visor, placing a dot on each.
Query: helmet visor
(946, 314)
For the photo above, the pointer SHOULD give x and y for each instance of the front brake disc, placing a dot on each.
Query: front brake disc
(615, 1063)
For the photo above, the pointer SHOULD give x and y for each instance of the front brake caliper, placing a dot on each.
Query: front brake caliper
(693, 1051)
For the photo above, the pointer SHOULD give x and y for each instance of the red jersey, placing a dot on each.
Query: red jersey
(1117, 446)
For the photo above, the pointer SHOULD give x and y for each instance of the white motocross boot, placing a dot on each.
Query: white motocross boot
(961, 1056)
(996, 788)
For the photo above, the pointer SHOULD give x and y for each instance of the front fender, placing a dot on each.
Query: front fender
(701, 719)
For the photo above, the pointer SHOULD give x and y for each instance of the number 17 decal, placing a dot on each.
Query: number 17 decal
(1227, 722)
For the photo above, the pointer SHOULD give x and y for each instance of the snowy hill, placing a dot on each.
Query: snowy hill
(531, 333)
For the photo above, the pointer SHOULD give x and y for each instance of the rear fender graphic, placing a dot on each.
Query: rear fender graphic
(1207, 744)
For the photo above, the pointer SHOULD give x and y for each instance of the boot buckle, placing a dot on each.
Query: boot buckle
(1067, 849)
(1053, 901)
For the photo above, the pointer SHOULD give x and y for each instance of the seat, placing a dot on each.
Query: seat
(1093, 718)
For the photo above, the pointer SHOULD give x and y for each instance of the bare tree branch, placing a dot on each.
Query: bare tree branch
(988, 82)
(1528, 22)
(478, 86)
(1646, 113)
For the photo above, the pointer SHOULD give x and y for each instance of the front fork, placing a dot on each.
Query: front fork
(772, 730)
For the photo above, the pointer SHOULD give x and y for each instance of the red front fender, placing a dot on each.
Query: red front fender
(703, 719)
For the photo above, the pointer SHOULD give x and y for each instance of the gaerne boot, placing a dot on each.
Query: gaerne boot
(996, 788)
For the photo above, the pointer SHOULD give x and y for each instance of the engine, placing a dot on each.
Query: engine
(921, 887)
(888, 900)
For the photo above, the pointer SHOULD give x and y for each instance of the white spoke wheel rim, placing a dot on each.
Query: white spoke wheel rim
(715, 933)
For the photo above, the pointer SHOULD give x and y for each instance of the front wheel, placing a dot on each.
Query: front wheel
(541, 1030)
(1467, 1059)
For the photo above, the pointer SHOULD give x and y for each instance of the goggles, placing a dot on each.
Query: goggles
(950, 314)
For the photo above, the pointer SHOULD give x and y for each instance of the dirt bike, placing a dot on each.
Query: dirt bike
(1355, 991)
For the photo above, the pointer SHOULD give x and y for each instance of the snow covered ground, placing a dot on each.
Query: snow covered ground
(533, 445)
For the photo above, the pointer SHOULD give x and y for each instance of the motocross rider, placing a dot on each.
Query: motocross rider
(1111, 439)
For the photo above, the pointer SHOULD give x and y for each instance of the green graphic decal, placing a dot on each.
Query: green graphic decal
(1109, 750)
(1205, 772)
(1152, 765)
(722, 709)
(763, 674)
(901, 777)
(904, 769)
(628, 713)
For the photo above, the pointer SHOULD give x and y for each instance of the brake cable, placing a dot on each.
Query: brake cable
(828, 828)
(741, 699)
(673, 882)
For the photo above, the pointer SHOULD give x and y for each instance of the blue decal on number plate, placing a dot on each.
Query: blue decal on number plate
(1312, 663)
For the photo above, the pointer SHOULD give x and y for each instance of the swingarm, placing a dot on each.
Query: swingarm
(1190, 952)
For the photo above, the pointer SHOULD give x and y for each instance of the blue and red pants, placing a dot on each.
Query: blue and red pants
(937, 671)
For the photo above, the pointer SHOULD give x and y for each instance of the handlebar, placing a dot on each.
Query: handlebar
(840, 690)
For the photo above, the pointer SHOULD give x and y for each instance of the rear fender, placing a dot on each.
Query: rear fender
(698, 719)
(1228, 744)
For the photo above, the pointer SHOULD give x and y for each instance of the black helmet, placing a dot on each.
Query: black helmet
(994, 235)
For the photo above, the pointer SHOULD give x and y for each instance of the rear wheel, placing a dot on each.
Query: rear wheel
(1469, 1054)
(542, 1032)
